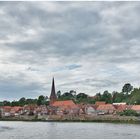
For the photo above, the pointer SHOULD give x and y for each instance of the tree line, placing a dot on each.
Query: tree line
(128, 94)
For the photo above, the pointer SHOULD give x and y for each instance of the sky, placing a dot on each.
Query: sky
(86, 46)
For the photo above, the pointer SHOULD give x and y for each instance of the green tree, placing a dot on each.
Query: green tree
(41, 100)
(6, 103)
(91, 100)
(82, 96)
(107, 97)
(127, 88)
(73, 92)
(22, 101)
(134, 97)
(67, 96)
(129, 113)
(31, 101)
(14, 103)
(1, 103)
(98, 97)
(118, 97)
(58, 94)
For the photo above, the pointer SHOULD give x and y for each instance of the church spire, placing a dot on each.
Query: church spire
(53, 96)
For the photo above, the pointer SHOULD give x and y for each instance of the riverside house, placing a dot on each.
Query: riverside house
(122, 107)
(66, 107)
(16, 111)
(100, 103)
(29, 109)
(106, 109)
(136, 108)
(90, 109)
(41, 110)
(5, 111)
(8, 111)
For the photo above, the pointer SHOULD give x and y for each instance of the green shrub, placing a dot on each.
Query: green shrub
(129, 113)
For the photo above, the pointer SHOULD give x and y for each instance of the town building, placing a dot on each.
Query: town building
(106, 109)
(90, 109)
(53, 96)
(66, 107)
(119, 103)
(136, 108)
(8, 111)
(100, 103)
(122, 107)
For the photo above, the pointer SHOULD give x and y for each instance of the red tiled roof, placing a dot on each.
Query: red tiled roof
(67, 103)
(7, 108)
(91, 105)
(121, 107)
(106, 107)
(100, 103)
(136, 107)
(16, 108)
(30, 107)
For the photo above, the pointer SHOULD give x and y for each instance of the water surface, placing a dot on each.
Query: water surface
(70, 130)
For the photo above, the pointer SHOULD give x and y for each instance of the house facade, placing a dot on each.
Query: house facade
(136, 108)
(66, 107)
(90, 110)
(106, 109)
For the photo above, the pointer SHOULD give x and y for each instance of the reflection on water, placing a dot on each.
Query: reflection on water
(5, 128)
(69, 130)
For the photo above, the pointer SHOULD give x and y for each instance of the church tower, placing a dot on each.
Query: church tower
(53, 96)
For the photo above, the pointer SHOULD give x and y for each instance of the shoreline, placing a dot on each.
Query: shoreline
(99, 119)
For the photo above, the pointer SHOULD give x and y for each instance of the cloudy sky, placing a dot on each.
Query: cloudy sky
(87, 46)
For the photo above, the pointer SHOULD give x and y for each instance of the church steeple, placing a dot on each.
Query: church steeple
(53, 96)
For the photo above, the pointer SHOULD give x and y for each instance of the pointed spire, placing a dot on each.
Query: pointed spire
(53, 96)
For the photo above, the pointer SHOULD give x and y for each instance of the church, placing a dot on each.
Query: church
(53, 96)
(62, 104)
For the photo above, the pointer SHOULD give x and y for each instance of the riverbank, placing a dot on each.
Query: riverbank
(83, 118)
(102, 118)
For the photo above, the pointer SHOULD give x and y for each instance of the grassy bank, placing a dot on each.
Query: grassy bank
(56, 118)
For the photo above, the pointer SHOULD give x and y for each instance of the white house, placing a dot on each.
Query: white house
(90, 110)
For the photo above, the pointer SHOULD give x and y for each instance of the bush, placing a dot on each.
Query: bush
(129, 113)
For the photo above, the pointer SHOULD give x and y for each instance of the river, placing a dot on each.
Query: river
(67, 130)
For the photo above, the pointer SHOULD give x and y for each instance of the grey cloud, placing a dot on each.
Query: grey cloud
(13, 89)
(70, 40)
(98, 83)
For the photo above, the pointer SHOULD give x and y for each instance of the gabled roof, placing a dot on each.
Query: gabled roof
(9, 108)
(136, 107)
(30, 107)
(121, 107)
(100, 103)
(91, 105)
(106, 107)
(17, 108)
(67, 103)
(6, 108)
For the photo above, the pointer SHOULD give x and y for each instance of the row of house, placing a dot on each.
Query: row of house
(8, 111)
(67, 107)
(99, 108)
